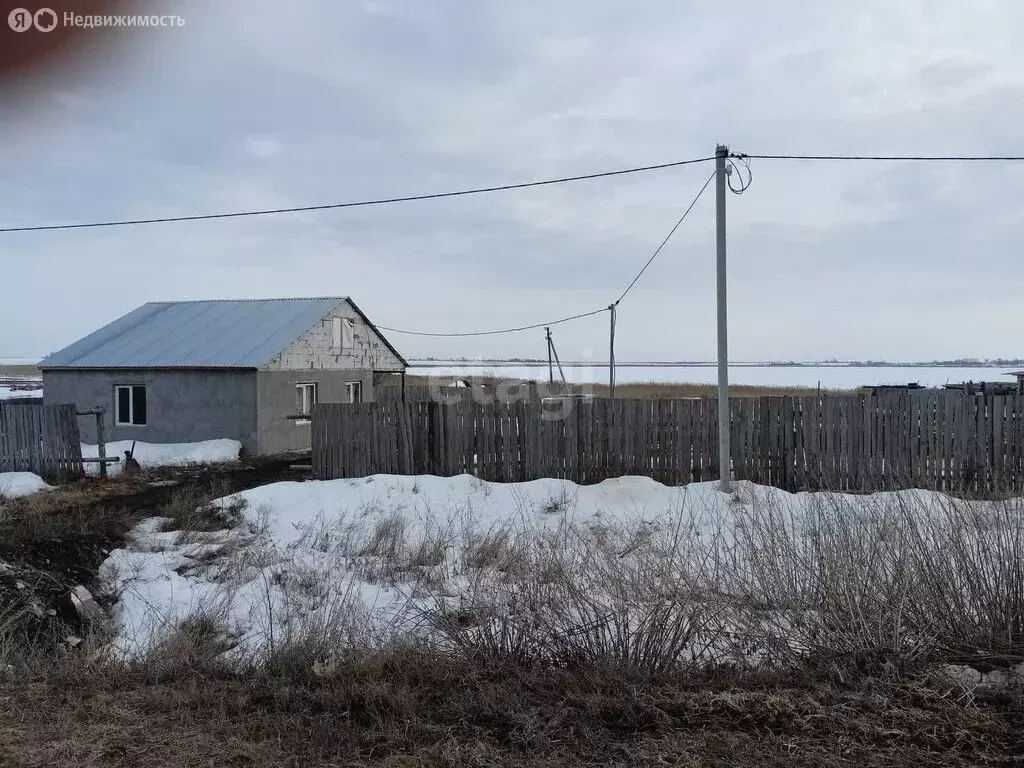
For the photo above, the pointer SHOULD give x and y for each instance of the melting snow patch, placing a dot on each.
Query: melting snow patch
(385, 555)
(13, 484)
(165, 454)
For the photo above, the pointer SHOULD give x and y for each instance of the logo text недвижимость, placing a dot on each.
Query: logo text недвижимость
(46, 20)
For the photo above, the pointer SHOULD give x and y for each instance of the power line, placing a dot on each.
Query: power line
(502, 330)
(573, 317)
(667, 238)
(911, 158)
(362, 203)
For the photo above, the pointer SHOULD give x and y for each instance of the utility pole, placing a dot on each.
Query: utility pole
(551, 372)
(725, 472)
(552, 350)
(611, 354)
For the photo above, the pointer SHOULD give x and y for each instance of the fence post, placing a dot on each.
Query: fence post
(101, 442)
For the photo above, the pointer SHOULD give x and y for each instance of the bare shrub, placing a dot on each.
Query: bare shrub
(884, 583)
(576, 598)
(192, 646)
(969, 575)
(191, 509)
(492, 549)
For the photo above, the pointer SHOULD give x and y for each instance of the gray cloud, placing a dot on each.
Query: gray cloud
(254, 104)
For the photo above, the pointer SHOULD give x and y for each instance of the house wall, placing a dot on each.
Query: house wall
(277, 399)
(314, 350)
(182, 406)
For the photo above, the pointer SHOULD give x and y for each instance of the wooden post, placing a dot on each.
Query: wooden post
(611, 353)
(552, 350)
(403, 385)
(101, 442)
(551, 371)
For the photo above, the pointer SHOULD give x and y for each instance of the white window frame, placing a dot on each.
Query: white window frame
(350, 388)
(307, 407)
(131, 405)
(343, 334)
(336, 333)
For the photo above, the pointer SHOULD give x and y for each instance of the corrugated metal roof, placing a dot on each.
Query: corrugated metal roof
(243, 333)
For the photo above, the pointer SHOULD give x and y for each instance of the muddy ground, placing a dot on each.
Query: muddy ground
(52, 543)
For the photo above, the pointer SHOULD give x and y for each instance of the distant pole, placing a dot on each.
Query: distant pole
(725, 472)
(551, 371)
(611, 353)
(551, 346)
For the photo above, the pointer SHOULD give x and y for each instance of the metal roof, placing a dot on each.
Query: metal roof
(244, 333)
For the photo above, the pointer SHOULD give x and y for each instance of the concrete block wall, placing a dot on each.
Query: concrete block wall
(315, 350)
(183, 406)
(277, 400)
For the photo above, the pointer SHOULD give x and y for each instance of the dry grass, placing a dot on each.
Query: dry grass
(663, 390)
(21, 371)
(653, 389)
(764, 638)
(409, 707)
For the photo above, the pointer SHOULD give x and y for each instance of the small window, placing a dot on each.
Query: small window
(130, 405)
(305, 397)
(343, 335)
(336, 332)
(355, 391)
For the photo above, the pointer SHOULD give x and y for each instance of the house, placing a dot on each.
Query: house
(184, 371)
(1020, 381)
(984, 387)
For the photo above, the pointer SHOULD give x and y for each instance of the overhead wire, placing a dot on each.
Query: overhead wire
(499, 331)
(360, 203)
(534, 326)
(893, 158)
(667, 238)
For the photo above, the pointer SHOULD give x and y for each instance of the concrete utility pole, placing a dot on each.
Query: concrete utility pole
(611, 353)
(725, 479)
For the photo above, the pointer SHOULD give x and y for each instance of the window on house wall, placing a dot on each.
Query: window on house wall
(354, 390)
(336, 332)
(305, 397)
(342, 333)
(130, 405)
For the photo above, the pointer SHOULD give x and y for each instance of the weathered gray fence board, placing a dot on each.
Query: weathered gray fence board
(947, 441)
(43, 439)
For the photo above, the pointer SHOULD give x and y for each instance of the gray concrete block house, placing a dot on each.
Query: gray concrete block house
(184, 371)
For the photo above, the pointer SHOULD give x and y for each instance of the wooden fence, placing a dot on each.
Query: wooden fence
(934, 439)
(40, 438)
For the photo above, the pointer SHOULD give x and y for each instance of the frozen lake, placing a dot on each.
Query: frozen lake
(826, 376)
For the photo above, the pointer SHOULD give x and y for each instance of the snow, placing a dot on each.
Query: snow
(165, 454)
(14, 484)
(294, 554)
(19, 386)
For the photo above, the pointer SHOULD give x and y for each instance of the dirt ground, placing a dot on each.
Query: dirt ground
(50, 543)
(403, 709)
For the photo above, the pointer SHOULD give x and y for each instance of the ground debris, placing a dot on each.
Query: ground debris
(86, 606)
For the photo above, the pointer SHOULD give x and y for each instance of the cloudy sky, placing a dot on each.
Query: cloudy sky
(256, 104)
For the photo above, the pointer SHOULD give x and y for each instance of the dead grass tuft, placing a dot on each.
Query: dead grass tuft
(408, 706)
(387, 539)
